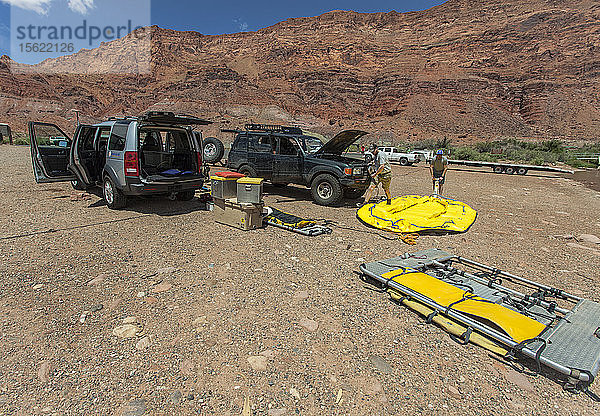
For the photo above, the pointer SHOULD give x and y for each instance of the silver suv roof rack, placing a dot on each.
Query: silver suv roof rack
(168, 117)
(113, 118)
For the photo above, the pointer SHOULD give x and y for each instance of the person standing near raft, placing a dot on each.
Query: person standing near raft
(438, 168)
(382, 174)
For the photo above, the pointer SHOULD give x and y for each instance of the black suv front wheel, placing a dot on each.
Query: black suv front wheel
(114, 197)
(326, 189)
(248, 171)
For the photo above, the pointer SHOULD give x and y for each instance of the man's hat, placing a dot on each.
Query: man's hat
(439, 152)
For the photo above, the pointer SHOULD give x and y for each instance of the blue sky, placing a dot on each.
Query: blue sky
(213, 17)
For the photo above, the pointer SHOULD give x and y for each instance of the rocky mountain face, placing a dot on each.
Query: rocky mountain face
(467, 70)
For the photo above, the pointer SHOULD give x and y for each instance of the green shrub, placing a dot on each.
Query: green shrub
(443, 143)
(578, 164)
(425, 144)
(20, 139)
(514, 150)
(486, 147)
(465, 153)
(403, 146)
(353, 148)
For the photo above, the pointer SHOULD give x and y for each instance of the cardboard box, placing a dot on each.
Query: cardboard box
(239, 215)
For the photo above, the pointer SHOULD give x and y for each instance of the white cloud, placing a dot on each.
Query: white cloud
(38, 6)
(81, 6)
(241, 24)
(41, 6)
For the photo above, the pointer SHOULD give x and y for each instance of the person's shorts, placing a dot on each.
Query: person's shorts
(385, 179)
(440, 176)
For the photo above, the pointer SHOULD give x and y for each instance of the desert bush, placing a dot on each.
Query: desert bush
(20, 139)
(424, 144)
(512, 149)
(443, 143)
(578, 164)
(486, 147)
(403, 146)
(552, 146)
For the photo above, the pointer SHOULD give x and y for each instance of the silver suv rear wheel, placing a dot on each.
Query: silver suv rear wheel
(109, 194)
(114, 197)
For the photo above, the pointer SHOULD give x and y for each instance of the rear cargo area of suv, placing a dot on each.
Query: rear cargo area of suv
(166, 153)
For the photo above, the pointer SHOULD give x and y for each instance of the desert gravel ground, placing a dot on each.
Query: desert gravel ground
(270, 316)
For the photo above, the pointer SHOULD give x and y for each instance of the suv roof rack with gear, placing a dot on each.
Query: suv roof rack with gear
(168, 117)
(273, 128)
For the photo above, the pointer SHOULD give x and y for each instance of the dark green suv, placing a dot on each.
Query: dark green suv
(284, 155)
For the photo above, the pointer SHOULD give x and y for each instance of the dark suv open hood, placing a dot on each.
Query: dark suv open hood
(340, 142)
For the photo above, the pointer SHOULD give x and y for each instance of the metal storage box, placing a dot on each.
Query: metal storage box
(239, 215)
(223, 188)
(250, 190)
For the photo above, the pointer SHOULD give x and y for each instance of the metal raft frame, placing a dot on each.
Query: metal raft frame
(570, 344)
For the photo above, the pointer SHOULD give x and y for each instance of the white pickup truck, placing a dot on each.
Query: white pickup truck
(426, 155)
(405, 159)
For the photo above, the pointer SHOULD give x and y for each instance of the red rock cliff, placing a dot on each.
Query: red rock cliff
(476, 69)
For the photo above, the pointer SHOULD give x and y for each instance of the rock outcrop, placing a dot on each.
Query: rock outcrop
(466, 69)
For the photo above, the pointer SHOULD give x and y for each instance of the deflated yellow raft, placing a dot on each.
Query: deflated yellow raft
(518, 326)
(414, 213)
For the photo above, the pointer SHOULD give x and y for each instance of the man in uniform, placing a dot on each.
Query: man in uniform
(382, 174)
(438, 169)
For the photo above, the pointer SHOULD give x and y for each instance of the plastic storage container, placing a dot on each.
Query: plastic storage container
(223, 188)
(249, 190)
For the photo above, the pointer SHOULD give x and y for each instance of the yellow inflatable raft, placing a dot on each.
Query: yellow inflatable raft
(518, 326)
(414, 213)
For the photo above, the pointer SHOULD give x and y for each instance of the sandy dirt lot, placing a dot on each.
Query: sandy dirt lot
(267, 315)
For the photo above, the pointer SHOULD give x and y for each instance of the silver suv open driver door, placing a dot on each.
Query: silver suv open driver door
(50, 153)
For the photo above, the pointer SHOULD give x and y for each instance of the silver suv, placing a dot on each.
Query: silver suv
(154, 154)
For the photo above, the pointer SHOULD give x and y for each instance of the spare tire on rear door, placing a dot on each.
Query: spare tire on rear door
(213, 150)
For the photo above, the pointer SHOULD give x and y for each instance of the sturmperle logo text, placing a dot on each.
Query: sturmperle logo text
(85, 31)
(59, 29)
